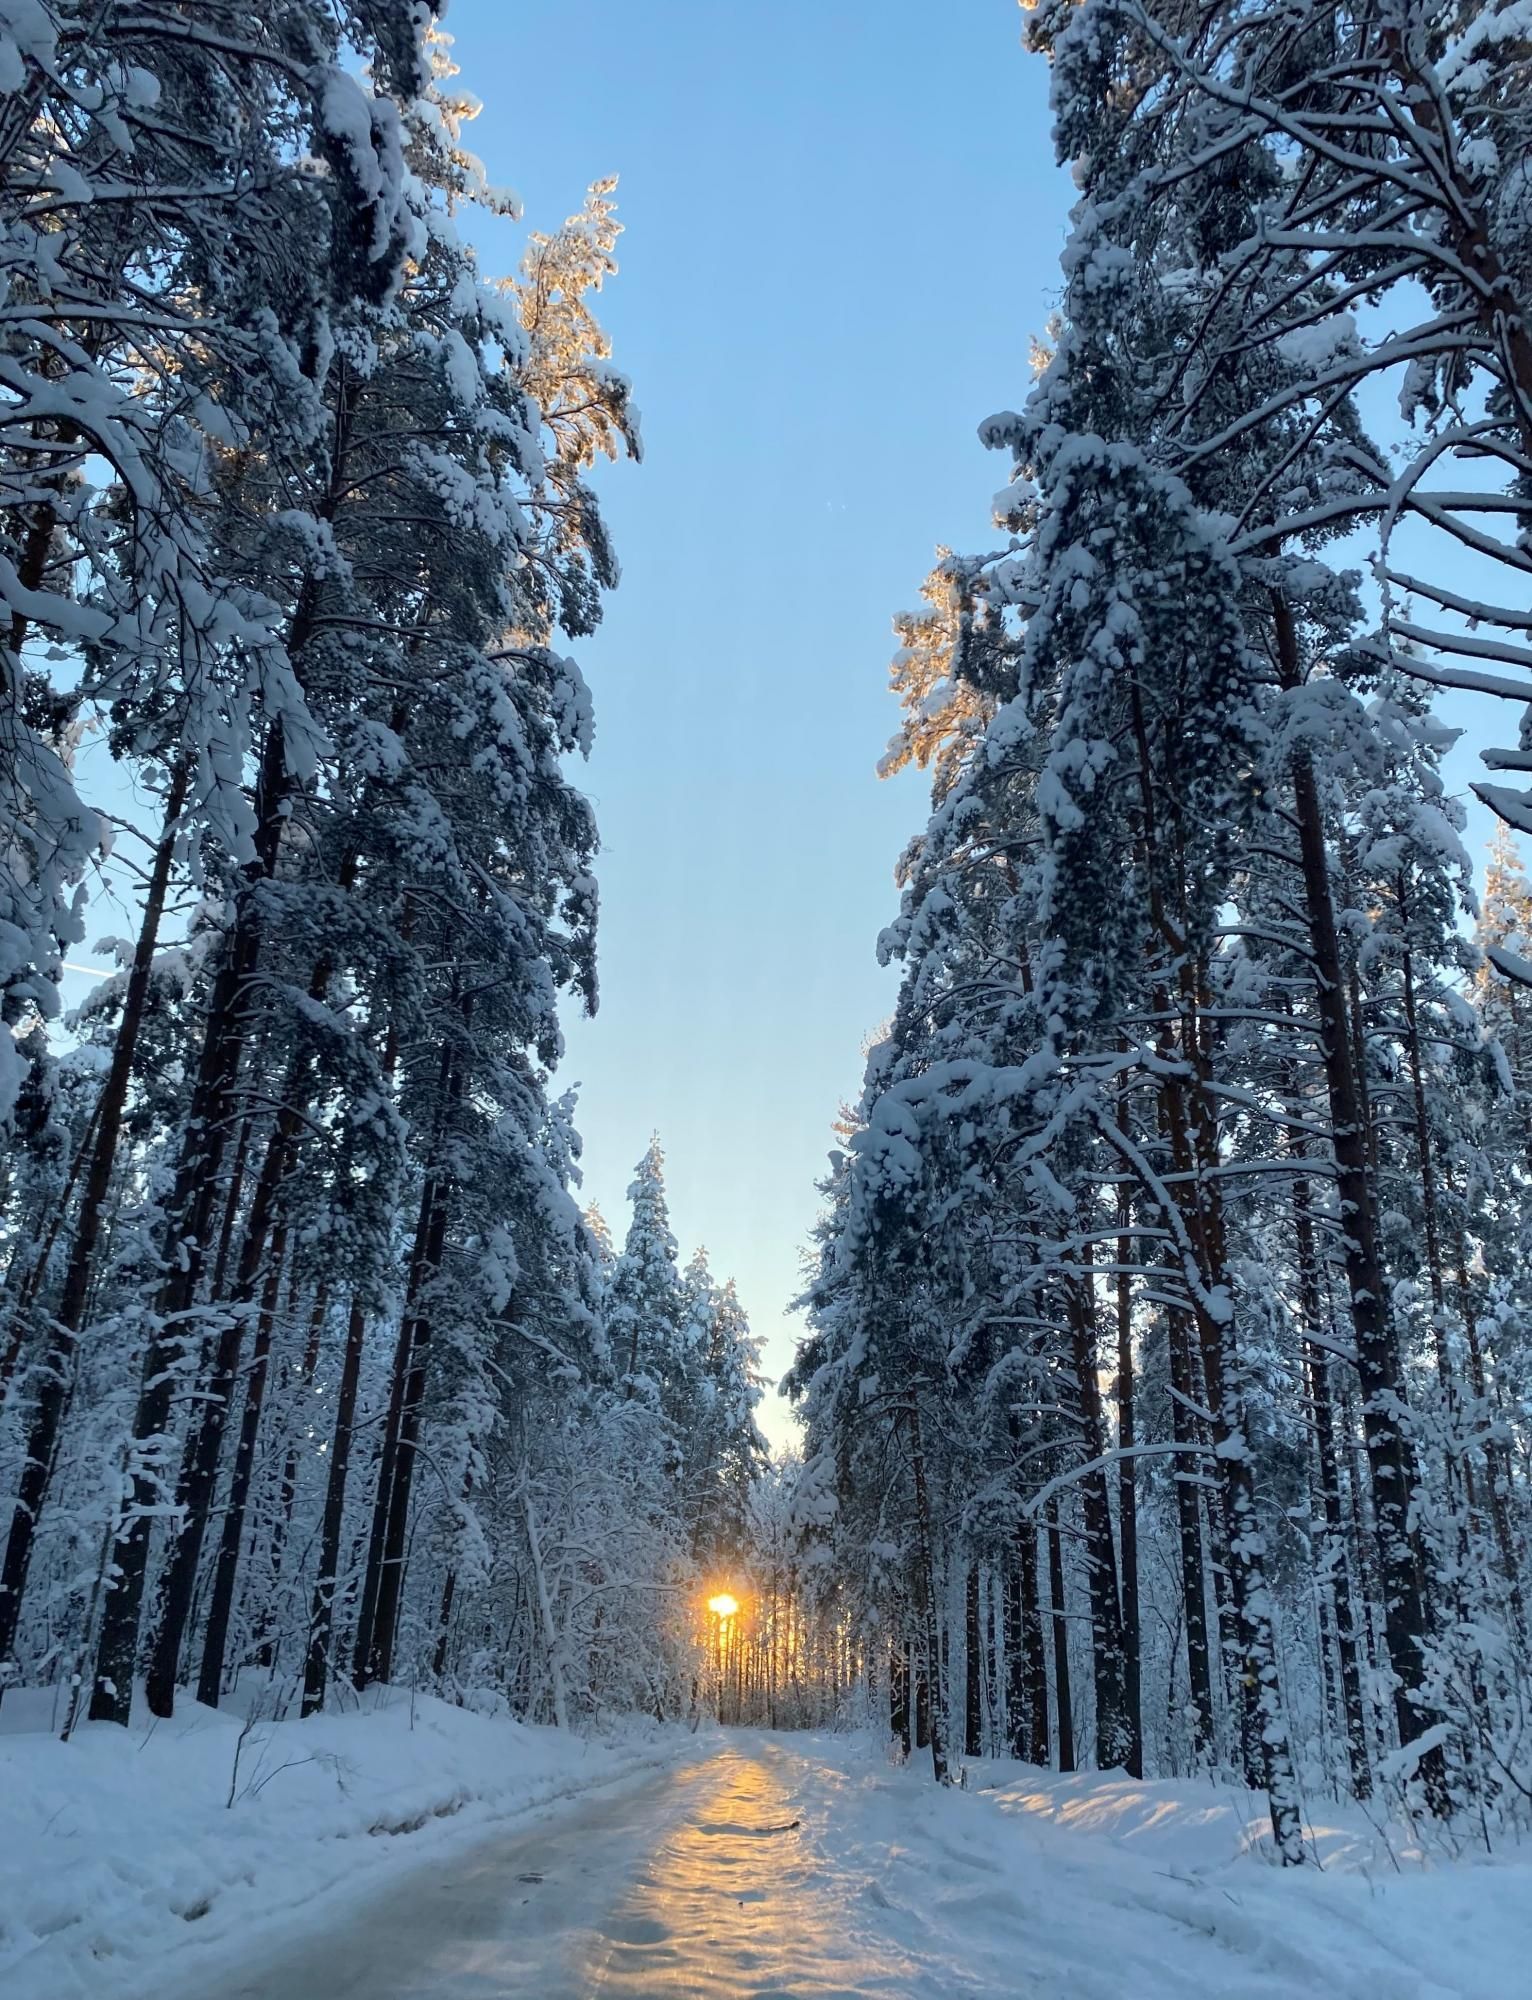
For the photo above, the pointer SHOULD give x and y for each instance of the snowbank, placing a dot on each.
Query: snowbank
(148, 1861)
(1093, 1885)
(125, 1850)
(1197, 1825)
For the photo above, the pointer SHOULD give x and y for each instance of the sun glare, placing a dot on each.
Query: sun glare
(723, 1606)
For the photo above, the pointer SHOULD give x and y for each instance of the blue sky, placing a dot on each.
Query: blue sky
(843, 225)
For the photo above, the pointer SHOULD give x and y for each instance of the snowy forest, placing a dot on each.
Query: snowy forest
(1171, 1311)
(1164, 1392)
(311, 1361)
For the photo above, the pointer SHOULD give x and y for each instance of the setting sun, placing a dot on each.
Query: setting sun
(723, 1605)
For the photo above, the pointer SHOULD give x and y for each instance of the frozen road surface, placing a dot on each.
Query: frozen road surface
(785, 1870)
(694, 1882)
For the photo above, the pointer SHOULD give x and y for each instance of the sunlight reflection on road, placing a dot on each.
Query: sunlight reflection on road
(735, 1904)
(746, 1875)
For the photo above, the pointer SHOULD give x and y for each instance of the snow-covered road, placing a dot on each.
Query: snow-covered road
(706, 1880)
(795, 1869)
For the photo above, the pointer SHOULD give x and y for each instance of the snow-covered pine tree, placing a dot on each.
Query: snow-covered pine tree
(646, 1306)
(365, 782)
(173, 244)
(1181, 1013)
(1387, 146)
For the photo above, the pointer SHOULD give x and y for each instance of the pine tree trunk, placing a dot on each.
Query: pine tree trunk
(1127, 1504)
(288, 1489)
(1108, 1667)
(1497, 1454)
(993, 1744)
(942, 1680)
(226, 1562)
(217, 1286)
(1199, 1664)
(973, 1642)
(1244, 1640)
(365, 1666)
(390, 1593)
(925, 1598)
(1390, 1456)
(316, 1668)
(1063, 1699)
(898, 1696)
(444, 1627)
(363, 1669)
(773, 1665)
(922, 1701)
(1328, 1459)
(1026, 1698)
(1036, 1649)
(1339, 1579)
(1016, 1733)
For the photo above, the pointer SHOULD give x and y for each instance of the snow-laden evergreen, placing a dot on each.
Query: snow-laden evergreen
(311, 1363)
(1165, 1398)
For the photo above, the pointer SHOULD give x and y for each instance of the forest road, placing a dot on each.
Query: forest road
(804, 1868)
(710, 1880)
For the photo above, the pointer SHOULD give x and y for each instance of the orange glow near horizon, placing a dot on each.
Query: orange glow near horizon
(723, 1605)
